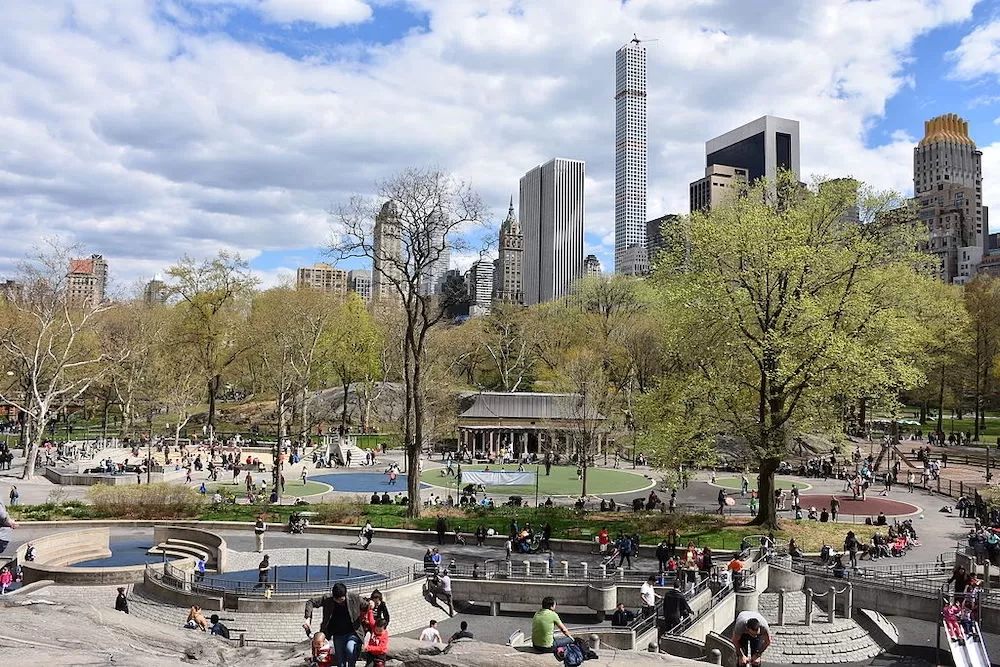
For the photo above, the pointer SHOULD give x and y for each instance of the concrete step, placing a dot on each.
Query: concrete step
(824, 643)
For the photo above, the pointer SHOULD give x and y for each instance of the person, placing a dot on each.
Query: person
(6, 579)
(435, 560)
(722, 500)
(960, 577)
(195, 619)
(851, 546)
(603, 539)
(751, 637)
(443, 591)
(431, 634)
(263, 568)
(30, 553)
(662, 555)
(463, 633)
(480, 535)
(7, 524)
(322, 651)
(441, 525)
(824, 515)
(379, 611)
(834, 508)
(622, 617)
(342, 616)
(793, 549)
(378, 645)
(543, 625)
(647, 593)
(218, 627)
(735, 567)
(429, 565)
(675, 606)
(508, 548)
(881, 519)
(259, 528)
(121, 602)
(367, 533)
(14, 495)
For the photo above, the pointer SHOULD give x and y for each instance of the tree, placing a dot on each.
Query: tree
(797, 298)
(982, 300)
(590, 398)
(508, 346)
(136, 328)
(214, 298)
(48, 342)
(426, 213)
(286, 327)
(353, 348)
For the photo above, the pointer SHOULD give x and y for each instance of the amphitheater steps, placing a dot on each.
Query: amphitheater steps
(822, 643)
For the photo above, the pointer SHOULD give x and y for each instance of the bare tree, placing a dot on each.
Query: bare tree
(48, 344)
(423, 215)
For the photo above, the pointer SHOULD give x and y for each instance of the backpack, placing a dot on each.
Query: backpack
(572, 656)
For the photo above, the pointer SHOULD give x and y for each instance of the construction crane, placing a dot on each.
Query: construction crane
(636, 40)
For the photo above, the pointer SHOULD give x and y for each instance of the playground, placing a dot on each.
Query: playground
(561, 481)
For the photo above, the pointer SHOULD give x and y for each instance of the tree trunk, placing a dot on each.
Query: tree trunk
(923, 412)
(343, 412)
(767, 515)
(276, 476)
(36, 438)
(104, 419)
(213, 391)
(415, 450)
(862, 415)
(940, 403)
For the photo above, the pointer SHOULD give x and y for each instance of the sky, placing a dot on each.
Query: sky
(145, 130)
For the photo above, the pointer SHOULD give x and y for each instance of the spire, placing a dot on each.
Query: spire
(510, 211)
(510, 225)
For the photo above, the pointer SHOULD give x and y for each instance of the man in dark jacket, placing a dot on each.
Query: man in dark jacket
(675, 606)
(622, 617)
(663, 554)
(341, 622)
(121, 602)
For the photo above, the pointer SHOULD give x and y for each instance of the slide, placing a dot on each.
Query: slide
(970, 654)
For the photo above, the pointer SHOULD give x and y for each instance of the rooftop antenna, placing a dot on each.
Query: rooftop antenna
(635, 39)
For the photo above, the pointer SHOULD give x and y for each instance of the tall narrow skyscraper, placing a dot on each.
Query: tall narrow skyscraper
(387, 252)
(552, 222)
(948, 186)
(630, 155)
(508, 283)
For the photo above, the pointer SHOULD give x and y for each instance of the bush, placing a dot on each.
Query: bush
(150, 501)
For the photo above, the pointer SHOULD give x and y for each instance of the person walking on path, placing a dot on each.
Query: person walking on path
(851, 547)
(367, 533)
(305, 475)
(263, 569)
(121, 602)
(14, 496)
(675, 606)
(647, 594)
(909, 481)
(834, 508)
(259, 528)
(722, 500)
(7, 525)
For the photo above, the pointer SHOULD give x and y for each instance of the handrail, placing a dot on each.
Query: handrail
(180, 579)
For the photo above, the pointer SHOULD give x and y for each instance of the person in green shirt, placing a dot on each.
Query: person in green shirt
(543, 625)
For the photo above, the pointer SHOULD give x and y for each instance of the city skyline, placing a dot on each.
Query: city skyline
(190, 154)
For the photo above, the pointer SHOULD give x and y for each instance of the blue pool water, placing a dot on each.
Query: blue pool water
(363, 482)
(125, 552)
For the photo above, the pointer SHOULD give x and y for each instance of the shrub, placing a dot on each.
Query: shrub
(150, 501)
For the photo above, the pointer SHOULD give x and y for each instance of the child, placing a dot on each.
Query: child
(378, 645)
(950, 613)
(6, 578)
(322, 651)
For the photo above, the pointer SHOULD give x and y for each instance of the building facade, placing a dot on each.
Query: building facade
(322, 277)
(508, 277)
(948, 187)
(762, 147)
(630, 155)
(659, 232)
(479, 284)
(155, 292)
(87, 281)
(552, 214)
(591, 266)
(359, 281)
(721, 182)
(387, 254)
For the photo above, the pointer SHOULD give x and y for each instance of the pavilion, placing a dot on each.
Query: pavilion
(536, 423)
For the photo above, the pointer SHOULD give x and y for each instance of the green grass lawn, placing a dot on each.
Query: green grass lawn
(561, 482)
(734, 483)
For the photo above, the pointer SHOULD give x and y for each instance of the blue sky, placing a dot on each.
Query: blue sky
(150, 129)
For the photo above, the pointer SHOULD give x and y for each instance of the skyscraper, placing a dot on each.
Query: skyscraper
(87, 281)
(630, 155)
(719, 184)
(359, 281)
(387, 254)
(591, 266)
(762, 147)
(552, 203)
(948, 187)
(155, 292)
(479, 284)
(508, 279)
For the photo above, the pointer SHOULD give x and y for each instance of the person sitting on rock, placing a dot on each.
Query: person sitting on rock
(196, 620)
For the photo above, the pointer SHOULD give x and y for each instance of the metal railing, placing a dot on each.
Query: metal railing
(185, 580)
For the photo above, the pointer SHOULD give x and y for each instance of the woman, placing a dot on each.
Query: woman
(196, 620)
(961, 579)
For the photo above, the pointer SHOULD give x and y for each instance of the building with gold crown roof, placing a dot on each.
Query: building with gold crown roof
(948, 187)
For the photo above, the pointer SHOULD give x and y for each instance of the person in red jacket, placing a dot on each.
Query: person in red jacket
(378, 645)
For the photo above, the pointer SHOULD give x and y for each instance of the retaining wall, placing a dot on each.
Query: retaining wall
(214, 544)
(56, 553)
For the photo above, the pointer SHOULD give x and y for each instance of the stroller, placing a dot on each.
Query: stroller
(611, 557)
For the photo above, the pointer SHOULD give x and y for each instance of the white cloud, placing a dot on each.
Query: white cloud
(146, 131)
(328, 13)
(978, 54)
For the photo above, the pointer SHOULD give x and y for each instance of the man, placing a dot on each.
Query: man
(262, 571)
(218, 628)
(443, 590)
(441, 525)
(662, 555)
(368, 532)
(7, 524)
(751, 637)
(121, 602)
(463, 633)
(795, 497)
(675, 605)
(649, 597)
(259, 529)
(722, 500)
(622, 617)
(341, 622)
(431, 634)
(199, 572)
(834, 508)
(543, 625)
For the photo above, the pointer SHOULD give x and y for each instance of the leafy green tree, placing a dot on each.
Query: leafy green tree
(796, 298)
(352, 348)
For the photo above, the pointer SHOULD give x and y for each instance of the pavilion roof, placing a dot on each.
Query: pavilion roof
(529, 405)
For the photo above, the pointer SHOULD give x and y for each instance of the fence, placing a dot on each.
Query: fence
(209, 586)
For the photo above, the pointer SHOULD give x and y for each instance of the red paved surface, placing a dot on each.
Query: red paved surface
(871, 506)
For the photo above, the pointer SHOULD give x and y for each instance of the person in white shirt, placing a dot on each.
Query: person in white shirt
(649, 597)
(431, 634)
